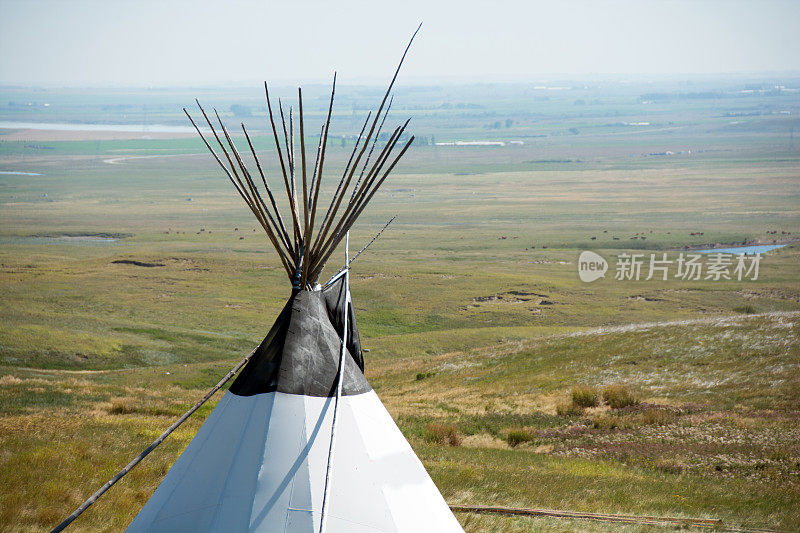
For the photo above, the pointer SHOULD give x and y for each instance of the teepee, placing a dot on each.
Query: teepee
(300, 442)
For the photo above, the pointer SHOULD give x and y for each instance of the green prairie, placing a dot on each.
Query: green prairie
(470, 304)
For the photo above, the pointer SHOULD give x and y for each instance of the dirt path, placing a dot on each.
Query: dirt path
(643, 326)
(394, 366)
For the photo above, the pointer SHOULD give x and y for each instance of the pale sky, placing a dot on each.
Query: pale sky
(162, 43)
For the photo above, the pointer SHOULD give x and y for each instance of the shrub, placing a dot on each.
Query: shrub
(746, 309)
(618, 396)
(423, 375)
(585, 397)
(568, 410)
(438, 433)
(517, 436)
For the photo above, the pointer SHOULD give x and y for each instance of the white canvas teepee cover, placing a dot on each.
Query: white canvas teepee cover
(258, 463)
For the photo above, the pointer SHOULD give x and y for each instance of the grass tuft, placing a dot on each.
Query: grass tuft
(128, 406)
(585, 397)
(657, 417)
(517, 436)
(443, 434)
(569, 410)
(606, 422)
(10, 380)
(670, 466)
(619, 396)
(121, 406)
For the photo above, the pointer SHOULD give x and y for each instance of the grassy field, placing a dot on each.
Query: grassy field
(489, 352)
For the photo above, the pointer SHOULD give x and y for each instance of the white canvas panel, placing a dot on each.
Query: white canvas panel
(258, 465)
(411, 496)
(284, 470)
(221, 463)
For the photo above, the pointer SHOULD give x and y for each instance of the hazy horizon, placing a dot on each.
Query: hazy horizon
(376, 82)
(180, 44)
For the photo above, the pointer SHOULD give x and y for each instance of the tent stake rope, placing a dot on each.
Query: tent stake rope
(110, 483)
